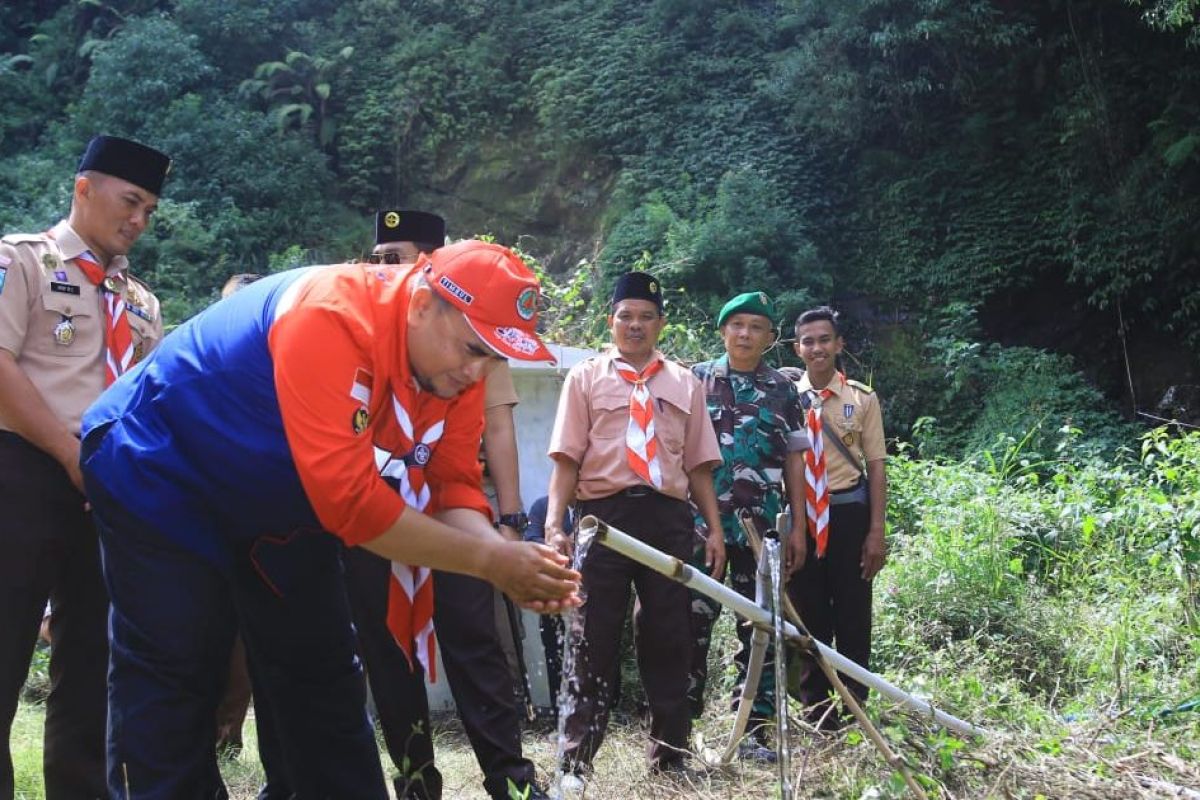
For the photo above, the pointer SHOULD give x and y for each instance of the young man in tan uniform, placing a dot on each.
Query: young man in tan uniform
(72, 320)
(833, 566)
(631, 442)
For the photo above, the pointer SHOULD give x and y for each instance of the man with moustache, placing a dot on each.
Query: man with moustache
(755, 412)
(463, 606)
(72, 321)
(631, 443)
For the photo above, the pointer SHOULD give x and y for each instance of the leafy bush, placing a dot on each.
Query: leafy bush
(1081, 582)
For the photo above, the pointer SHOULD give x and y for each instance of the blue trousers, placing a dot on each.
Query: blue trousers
(172, 622)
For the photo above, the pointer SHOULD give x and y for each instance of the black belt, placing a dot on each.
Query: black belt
(640, 490)
(857, 493)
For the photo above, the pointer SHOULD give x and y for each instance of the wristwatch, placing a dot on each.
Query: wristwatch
(518, 522)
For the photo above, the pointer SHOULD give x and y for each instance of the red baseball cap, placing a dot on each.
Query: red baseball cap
(496, 292)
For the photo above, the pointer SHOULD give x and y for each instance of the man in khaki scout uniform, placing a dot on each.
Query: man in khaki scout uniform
(72, 320)
(846, 495)
(631, 442)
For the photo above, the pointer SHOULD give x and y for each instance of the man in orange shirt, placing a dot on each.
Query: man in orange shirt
(463, 606)
(318, 408)
(631, 442)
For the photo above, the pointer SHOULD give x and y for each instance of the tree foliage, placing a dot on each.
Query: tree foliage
(901, 157)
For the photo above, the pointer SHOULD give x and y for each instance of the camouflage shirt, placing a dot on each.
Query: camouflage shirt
(752, 414)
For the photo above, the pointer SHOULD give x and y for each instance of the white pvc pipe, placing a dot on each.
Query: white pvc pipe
(676, 570)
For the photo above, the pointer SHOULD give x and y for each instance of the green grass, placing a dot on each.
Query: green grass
(1054, 604)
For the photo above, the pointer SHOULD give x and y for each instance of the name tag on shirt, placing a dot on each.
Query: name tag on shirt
(64, 288)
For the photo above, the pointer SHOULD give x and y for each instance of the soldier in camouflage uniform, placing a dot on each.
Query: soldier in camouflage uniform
(756, 414)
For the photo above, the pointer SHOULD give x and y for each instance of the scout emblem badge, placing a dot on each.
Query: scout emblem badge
(64, 332)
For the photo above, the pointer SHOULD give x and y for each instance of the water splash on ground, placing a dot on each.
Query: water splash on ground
(572, 637)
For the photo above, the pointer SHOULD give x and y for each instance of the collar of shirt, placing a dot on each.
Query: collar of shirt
(762, 374)
(71, 245)
(611, 354)
(837, 384)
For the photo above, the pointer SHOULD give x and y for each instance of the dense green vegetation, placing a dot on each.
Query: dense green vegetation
(1027, 174)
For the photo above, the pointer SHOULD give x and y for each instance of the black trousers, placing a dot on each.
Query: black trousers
(397, 687)
(49, 549)
(480, 681)
(662, 631)
(833, 599)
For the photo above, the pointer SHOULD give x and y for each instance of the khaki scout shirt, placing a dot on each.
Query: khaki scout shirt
(52, 318)
(851, 414)
(593, 414)
(498, 387)
(498, 390)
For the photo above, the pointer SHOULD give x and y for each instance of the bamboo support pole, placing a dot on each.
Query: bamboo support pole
(677, 570)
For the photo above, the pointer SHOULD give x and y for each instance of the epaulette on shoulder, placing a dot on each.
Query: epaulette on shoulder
(23, 238)
(862, 387)
(141, 284)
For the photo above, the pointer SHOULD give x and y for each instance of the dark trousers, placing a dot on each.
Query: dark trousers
(550, 628)
(397, 687)
(742, 568)
(480, 681)
(48, 549)
(172, 622)
(662, 631)
(833, 599)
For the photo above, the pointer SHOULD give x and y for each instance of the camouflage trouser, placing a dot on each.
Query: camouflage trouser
(740, 566)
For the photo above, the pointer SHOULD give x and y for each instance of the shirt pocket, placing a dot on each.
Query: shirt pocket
(65, 326)
(610, 415)
(671, 418)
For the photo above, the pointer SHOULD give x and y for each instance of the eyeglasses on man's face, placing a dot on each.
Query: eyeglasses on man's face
(384, 258)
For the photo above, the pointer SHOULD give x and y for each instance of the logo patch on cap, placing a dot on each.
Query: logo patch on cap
(391, 219)
(527, 303)
(518, 340)
(653, 286)
(456, 290)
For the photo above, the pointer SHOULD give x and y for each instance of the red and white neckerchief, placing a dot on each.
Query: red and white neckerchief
(641, 447)
(816, 484)
(410, 589)
(118, 337)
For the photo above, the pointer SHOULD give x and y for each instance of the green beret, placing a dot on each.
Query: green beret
(748, 303)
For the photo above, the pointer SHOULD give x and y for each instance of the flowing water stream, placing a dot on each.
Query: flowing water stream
(572, 633)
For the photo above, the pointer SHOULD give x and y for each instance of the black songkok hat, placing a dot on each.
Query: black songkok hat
(638, 286)
(142, 166)
(399, 225)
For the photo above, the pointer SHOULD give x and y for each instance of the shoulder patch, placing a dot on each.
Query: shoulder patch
(862, 387)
